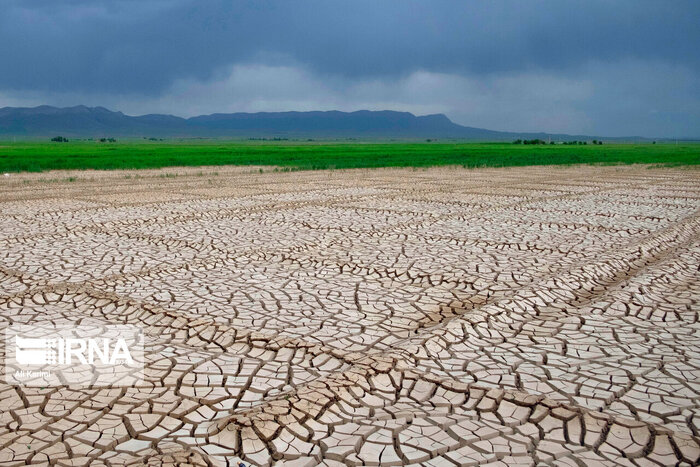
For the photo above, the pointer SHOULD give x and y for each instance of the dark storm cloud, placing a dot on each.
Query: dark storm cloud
(142, 48)
(143, 45)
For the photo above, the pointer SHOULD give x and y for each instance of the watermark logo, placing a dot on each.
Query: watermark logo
(48, 355)
(34, 351)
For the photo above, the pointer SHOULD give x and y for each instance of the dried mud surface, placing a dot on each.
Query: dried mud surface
(446, 316)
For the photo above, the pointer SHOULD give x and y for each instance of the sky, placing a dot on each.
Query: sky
(596, 67)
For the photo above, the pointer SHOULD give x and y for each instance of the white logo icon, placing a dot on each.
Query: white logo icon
(30, 351)
(48, 355)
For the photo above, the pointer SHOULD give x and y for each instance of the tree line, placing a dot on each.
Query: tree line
(540, 141)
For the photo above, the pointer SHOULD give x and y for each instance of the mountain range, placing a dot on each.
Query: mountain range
(97, 122)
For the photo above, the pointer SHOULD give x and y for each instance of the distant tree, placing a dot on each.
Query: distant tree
(59, 139)
(518, 141)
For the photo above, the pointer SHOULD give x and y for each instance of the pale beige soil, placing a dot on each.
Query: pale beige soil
(438, 316)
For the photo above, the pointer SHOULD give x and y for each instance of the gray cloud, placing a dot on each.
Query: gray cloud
(595, 66)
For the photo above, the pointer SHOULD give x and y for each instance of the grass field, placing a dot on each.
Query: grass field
(36, 157)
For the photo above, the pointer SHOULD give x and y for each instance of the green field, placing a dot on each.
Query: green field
(36, 157)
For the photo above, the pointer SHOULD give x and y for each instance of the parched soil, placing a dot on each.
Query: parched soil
(391, 316)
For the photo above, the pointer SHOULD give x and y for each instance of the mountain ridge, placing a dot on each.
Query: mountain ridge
(84, 122)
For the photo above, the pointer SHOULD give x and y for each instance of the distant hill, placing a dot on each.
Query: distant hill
(95, 122)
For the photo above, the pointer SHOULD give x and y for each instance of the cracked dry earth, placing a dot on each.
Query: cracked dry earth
(446, 316)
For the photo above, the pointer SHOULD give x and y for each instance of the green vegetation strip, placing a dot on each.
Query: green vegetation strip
(36, 157)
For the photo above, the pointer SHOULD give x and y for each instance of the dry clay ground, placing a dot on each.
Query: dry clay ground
(445, 316)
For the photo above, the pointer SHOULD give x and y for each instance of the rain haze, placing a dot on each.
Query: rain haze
(594, 67)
